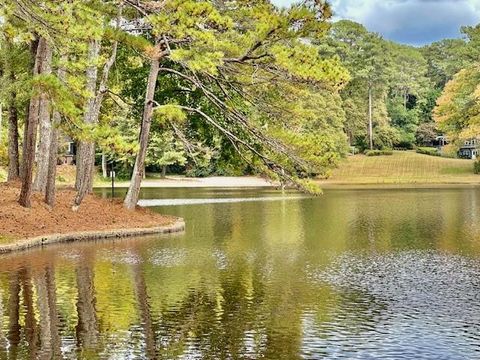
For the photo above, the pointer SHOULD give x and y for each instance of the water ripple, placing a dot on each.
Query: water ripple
(412, 304)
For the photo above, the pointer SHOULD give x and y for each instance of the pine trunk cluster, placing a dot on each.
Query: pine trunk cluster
(37, 111)
(86, 150)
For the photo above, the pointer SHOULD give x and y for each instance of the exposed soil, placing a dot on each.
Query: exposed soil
(17, 222)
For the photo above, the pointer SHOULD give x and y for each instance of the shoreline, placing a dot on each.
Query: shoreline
(75, 237)
(399, 185)
(257, 182)
(207, 182)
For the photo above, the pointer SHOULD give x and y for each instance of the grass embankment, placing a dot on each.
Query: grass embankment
(403, 167)
(95, 214)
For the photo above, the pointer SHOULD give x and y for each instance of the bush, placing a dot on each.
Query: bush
(428, 151)
(3, 154)
(378, 152)
(476, 167)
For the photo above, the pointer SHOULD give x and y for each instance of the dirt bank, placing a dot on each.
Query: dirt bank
(95, 214)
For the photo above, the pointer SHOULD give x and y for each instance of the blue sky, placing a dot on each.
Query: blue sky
(415, 22)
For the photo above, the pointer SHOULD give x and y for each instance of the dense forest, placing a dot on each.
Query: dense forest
(217, 87)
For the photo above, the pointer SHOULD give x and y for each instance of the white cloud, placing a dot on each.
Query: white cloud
(408, 21)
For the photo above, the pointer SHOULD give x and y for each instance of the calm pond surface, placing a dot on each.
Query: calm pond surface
(352, 274)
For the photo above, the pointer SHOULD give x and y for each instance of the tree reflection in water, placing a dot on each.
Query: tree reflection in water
(240, 287)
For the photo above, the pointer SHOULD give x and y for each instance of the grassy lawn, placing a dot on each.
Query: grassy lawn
(403, 167)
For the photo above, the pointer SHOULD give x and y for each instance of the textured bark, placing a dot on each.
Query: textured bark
(45, 132)
(53, 151)
(84, 147)
(52, 163)
(33, 55)
(31, 132)
(24, 143)
(86, 153)
(139, 169)
(13, 156)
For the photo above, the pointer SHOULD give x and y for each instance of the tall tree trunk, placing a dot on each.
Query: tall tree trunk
(45, 131)
(32, 125)
(139, 169)
(84, 146)
(164, 171)
(52, 163)
(370, 115)
(1, 122)
(86, 151)
(13, 157)
(33, 55)
(53, 151)
(104, 165)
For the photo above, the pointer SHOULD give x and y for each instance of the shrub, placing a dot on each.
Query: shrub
(476, 167)
(378, 152)
(428, 151)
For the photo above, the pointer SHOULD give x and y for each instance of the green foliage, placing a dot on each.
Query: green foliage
(169, 113)
(378, 152)
(458, 109)
(244, 86)
(476, 167)
(164, 150)
(445, 58)
(428, 151)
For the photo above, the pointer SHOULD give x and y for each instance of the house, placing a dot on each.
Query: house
(439, 141)
(67, 151)
(469, 149)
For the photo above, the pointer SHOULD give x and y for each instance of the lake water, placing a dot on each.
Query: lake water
(352, 274)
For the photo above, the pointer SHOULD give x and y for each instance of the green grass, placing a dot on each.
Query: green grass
(404, 167)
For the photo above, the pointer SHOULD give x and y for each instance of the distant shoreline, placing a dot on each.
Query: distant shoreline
(184, 182)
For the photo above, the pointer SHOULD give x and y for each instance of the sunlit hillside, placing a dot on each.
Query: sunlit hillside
(403, 167)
